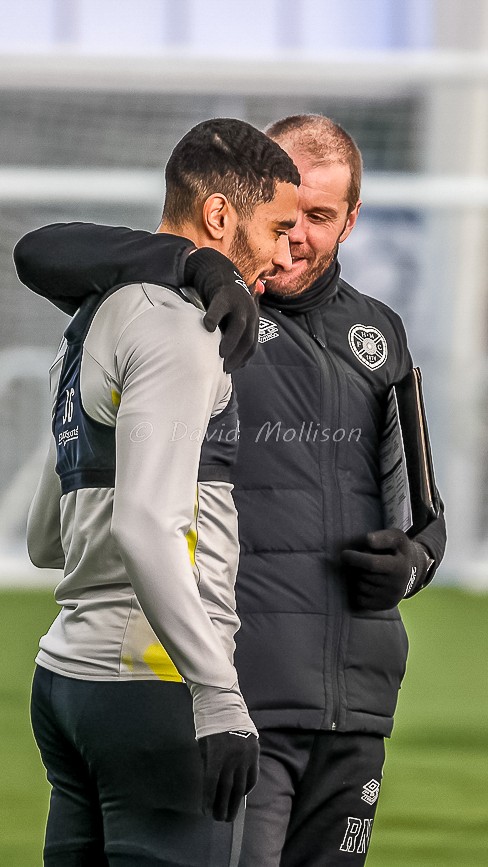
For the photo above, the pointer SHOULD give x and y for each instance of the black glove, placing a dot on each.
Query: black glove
(388, 566)
(228, 302)
(230, 771)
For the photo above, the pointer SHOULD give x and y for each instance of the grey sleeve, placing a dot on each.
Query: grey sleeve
(170, 371)
(216, 553)
(44, 521)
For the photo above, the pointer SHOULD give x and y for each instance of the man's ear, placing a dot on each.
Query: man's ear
(350, 222)
(218, 216)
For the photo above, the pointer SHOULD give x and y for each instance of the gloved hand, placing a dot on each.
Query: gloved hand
(389, 565)
(230, 771)
(228, 302)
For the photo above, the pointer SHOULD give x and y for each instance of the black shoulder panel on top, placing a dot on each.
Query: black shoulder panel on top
(85, 448)
(220, 444)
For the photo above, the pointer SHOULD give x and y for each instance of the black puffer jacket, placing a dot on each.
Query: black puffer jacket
(311, 407)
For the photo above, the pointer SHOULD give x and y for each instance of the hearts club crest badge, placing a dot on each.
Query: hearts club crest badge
(368, 345)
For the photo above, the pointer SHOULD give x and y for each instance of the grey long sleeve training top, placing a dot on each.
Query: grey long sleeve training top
(150, 563)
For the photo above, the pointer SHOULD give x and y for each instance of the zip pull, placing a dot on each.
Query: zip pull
(311, 330)
(319, 341)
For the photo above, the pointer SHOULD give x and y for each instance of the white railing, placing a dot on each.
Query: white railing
(296, 74)
(60, 185)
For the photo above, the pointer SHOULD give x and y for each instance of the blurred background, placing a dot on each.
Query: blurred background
(94, 94)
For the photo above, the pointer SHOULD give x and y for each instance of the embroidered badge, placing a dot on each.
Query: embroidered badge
(267, 330)
(368, 345)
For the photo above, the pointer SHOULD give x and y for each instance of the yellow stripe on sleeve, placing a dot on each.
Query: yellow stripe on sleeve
(155, 656)
(192, 535)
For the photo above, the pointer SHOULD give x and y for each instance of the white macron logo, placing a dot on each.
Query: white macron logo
(411, 580)
(267, 330)
(370, 792)
(241, 282)
(368, 345)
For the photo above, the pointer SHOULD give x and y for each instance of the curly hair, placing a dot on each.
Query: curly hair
(228, 156)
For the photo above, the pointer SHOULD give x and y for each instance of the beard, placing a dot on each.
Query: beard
(242, 255)
(284, 283)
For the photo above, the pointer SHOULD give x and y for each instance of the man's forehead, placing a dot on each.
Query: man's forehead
(283, 207)
(318, 175)
(327, 182)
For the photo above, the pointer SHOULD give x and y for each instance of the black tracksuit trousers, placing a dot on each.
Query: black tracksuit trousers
(126, 776)
(315, 800)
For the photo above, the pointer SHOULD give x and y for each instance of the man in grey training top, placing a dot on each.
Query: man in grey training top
(144, 524)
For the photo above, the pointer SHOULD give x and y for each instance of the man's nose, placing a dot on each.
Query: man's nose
(282, 255)
(297, 234)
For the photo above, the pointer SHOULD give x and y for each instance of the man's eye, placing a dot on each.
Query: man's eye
(319, 218)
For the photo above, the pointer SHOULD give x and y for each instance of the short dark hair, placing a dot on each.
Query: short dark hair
(228, 156)
(322, 141)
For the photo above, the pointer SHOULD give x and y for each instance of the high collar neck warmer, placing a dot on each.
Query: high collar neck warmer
(320, 291)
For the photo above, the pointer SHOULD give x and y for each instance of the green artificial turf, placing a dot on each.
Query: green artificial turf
(433, 810)
(24, 792)
(434, 804)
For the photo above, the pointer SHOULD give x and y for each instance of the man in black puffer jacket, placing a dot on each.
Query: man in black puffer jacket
(322, 649)
(321, 652)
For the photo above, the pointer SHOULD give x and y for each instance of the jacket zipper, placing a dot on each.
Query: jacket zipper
(337, 612)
